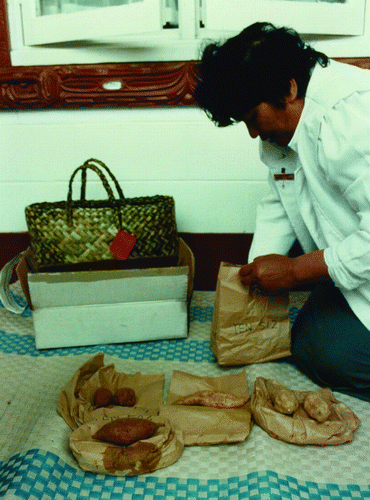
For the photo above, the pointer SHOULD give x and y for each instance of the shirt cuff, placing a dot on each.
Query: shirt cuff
(340, 275)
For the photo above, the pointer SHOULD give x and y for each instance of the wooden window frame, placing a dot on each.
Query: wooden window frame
(85, 86)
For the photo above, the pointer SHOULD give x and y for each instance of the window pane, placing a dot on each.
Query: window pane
(45, 7)
(330, 1)
(171, 14)
(319, 17)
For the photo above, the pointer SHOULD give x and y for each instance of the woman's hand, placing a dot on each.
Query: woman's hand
(275, 273)
(270, 273)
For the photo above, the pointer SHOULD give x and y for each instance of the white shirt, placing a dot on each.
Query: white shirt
(327, 205)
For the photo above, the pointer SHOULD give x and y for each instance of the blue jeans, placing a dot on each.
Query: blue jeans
(330, 344)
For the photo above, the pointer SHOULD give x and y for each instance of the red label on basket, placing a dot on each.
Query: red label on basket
(122, 245)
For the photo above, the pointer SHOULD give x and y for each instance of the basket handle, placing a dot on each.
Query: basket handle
(91, 161)
(105, 183)
(6, 295)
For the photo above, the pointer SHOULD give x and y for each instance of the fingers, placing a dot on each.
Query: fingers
(247, 275)
(246, 270)
(269, 273)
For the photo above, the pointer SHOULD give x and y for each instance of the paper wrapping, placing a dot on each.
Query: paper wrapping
(248, 326)
(143, 456)
(202, 425)
(76, 399)
(299, 427)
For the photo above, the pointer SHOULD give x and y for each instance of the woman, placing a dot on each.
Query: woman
(312, 117)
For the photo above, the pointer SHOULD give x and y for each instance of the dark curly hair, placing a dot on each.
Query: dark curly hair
(252, 67)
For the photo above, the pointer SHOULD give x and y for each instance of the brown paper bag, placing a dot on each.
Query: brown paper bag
(299, 427)
(248, 326)
(201, 425)
(147, 455)
(76, 399)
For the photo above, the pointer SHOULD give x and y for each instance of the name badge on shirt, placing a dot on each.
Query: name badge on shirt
(284, 177)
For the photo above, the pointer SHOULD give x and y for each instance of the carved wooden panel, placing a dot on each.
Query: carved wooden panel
(362, 62)
(81, 86)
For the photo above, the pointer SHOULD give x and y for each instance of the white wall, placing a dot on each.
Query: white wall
(215, 175)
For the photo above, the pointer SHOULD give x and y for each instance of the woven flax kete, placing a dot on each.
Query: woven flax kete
(74, 231)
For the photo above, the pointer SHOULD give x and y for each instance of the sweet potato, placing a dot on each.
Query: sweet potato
(125, 431)
(283, 399)
(125, 397)
(212, 399)
(316, 406)
(102, 397)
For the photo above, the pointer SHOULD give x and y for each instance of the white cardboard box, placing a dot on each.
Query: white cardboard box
(110, 306)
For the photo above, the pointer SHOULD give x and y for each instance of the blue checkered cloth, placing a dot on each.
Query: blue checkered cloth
(38, 475)
(46, 474)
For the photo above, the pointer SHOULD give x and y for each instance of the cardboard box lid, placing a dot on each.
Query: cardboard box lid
(110, 323)
(44, 289)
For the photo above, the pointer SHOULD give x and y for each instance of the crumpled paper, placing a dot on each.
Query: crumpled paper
(247, 326)
(76, 399)
(299, 427)
(202, 425)
(143, 456)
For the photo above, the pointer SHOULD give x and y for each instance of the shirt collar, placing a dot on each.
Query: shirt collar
(309, 116)
(271, 152)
